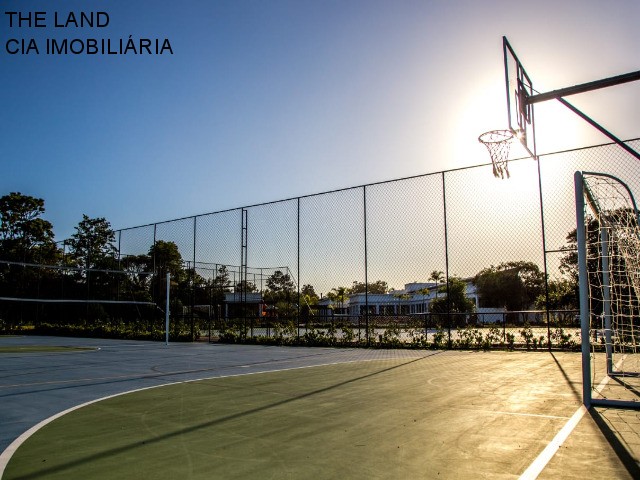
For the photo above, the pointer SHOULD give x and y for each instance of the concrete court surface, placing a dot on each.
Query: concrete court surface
(537, 391)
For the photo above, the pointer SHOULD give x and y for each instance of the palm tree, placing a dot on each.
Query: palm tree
(338, 295)
(438, 277)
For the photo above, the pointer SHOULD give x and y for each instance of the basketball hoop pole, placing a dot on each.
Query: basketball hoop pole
(599, 127)
(582, 88)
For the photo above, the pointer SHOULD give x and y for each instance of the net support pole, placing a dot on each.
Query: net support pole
(584, 290)
(166, 311)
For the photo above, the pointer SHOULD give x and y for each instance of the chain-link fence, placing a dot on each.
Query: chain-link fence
(415, 236)
(390, 263)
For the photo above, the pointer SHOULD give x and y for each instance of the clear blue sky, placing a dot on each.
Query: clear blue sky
(263, 100)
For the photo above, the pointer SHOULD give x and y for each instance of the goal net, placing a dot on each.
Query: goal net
(608, 237)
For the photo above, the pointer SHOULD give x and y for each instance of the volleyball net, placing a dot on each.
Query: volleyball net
(72, 299)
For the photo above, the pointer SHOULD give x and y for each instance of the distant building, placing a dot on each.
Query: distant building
(413, 299)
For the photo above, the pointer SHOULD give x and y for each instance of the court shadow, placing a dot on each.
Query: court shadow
(576, 391)
(613, 437)
(627, 385)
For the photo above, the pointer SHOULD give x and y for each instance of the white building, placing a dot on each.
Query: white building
(413, 299)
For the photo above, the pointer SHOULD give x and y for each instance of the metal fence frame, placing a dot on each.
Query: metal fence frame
(456, 221)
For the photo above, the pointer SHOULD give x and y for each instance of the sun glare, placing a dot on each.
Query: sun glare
(481, 111)
(557, 128)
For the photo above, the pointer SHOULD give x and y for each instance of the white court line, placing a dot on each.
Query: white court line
(547, 454)
(550, 450)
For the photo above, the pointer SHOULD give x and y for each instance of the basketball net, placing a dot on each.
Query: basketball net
(498, 143)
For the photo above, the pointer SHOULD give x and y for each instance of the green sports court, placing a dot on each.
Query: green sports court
(146, 410)
(423, 327)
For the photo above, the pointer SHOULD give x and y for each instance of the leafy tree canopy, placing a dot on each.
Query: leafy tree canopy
(309, 294)
(246, 286)
(221, 282)
(92, 243)
(280, 287)
(563, 294)
(338, 295)
(512, 285)
(166, 258)
(376, 287)
(455, 301)
(24, 235)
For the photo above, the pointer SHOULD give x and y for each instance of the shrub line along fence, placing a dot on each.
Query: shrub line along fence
(336, 248)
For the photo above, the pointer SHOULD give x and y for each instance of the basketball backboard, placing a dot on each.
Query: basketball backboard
(519, 89)
(521, 98)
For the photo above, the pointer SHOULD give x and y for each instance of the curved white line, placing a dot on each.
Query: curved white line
(6, 455)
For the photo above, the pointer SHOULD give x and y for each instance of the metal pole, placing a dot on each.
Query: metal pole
(584, 290)
(606, 296)
(166, 311)
(544, 254)
(600, 128)
(446, 258)
(584, 87)
(298, 264)
(366, 276)
(193, 279)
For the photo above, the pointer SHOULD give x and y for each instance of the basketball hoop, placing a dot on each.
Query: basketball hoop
(498, 143)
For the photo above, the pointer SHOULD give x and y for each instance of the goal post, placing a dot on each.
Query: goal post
(608, 240)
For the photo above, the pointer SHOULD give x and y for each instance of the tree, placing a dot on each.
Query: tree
(309, 297)
(221, 283)
(92, 243)
(281, 292)
(360, 287)
(280, 285)
(437, 276)
(338, 295)
(24, 235)
(166, 258)
(246, 286)
(455, 298)
(512, 285)
(138, 276)
(310, 294)
(563, 294)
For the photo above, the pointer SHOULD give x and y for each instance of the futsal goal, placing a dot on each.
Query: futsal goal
(608, 237)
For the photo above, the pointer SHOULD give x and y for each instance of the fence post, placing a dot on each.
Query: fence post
(446, 258)
(504, 326)
(544, 254)
(166, 312)
(193, 280)
(298, 267)
(366, 260)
